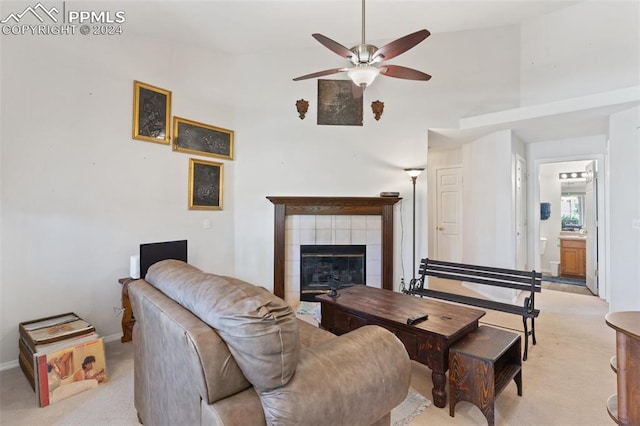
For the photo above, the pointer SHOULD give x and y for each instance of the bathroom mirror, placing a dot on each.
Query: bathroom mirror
(572, 204)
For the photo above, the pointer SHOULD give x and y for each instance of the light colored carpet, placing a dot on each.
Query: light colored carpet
(111, 404)
(566, 380)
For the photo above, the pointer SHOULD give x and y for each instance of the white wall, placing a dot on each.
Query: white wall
(624, 236)
(488, 215)
(78, 194)
(283, 155)
(550, 228)
(591, 47)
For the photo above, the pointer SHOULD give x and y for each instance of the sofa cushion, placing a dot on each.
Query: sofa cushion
(260, 329)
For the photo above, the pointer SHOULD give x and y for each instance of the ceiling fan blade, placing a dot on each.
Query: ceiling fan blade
(320, 73)
(403, 72)
(334, 46)
(401, 45)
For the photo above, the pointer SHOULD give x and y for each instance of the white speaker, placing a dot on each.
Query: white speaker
(134, 266)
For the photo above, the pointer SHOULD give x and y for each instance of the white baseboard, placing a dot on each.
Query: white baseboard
(9, 365)
(112, 337)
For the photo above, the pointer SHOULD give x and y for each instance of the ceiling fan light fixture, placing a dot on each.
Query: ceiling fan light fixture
(363, 75)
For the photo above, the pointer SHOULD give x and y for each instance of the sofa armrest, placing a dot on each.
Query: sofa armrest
(179, 360)
(353, 379)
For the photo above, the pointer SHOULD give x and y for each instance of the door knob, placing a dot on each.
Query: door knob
(440, 228)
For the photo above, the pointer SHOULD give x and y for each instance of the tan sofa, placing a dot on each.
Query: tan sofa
(218, 351)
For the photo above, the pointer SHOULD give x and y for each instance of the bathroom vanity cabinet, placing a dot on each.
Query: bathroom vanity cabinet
(573, 260)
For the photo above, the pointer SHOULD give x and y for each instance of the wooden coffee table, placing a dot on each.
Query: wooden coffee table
(427, 342)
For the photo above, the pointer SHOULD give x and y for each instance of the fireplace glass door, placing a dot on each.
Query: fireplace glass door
(323, 267)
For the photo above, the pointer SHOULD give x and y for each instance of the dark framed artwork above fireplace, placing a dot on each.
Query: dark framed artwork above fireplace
(296, 205)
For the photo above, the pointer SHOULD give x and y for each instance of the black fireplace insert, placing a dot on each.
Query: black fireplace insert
(323, 267)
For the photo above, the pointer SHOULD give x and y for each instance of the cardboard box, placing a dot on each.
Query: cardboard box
(53, 329)
(48, 334)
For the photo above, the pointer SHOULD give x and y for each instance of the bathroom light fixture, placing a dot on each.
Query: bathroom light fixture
(573, 175)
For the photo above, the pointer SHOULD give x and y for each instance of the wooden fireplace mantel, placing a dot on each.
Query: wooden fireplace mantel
(291, 205)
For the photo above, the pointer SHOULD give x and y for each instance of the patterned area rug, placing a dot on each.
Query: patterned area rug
(413, 405)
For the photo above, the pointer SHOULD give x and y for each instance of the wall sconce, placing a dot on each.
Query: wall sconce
(377, 107)
(302, 106)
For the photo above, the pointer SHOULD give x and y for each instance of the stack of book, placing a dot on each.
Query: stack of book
(60, 356)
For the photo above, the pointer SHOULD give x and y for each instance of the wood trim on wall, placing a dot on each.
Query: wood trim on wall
(286, 206)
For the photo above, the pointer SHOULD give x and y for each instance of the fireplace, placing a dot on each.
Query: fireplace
(286, 206)
(323, 267)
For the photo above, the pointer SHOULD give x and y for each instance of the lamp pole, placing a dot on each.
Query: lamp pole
(413, 174)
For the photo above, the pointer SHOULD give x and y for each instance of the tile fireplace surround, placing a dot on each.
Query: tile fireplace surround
(331, 220)
(330, 230)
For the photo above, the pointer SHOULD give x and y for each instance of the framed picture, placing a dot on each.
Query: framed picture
(205, 185)
(151, 113)
(202, 139)
(339, 103)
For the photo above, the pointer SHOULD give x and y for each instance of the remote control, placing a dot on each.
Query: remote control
(414, 319)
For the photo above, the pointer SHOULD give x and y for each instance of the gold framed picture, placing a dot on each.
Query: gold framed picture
(205, 185)
(151, 113)
(202, 139)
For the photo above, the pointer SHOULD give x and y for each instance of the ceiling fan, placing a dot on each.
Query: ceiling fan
(366, 59)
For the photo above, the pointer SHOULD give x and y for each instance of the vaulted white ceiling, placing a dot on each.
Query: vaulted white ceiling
(261, 26)
(245, 26)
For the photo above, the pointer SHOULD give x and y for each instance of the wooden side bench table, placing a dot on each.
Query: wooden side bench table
(128, 320)
(481, 365)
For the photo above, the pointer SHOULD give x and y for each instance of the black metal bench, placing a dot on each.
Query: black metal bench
(530, 281)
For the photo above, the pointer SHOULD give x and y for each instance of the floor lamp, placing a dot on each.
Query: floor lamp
(413, 174)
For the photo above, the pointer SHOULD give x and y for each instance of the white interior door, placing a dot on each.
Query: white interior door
(449, 214)
(521, 214)
(591, 226)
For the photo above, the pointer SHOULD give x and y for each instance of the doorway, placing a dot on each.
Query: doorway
(568, 231)
(449, 214)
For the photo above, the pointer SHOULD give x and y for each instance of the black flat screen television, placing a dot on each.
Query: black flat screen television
(151, 253)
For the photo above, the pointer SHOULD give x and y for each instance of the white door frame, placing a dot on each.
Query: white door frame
(437, 210)
(591, 227)
(433, 205)
(603, 207)
(521, 196)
